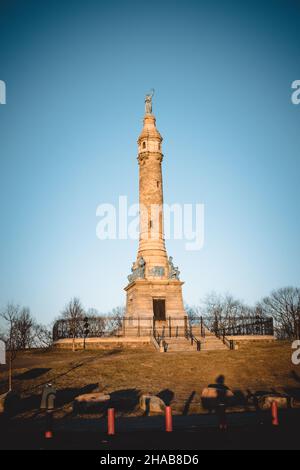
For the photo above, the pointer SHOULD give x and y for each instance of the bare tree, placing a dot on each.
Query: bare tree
(72, 323)
(284, 306)
(92, 312)
(194, 313)
(96, 323)
(74, 314)
(24, 328)
(10, 315)
(41, 336)
(118, 313)
(115, 320)
(225, 311)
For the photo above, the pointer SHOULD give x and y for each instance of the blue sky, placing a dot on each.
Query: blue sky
(76, 74)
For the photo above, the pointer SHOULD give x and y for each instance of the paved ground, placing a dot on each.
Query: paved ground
(245, 431)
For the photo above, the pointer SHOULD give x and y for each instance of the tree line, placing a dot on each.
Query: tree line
(75, 314)
(283, 305)
(19, 331)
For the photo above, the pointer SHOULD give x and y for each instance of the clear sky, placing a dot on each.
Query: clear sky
(76, 75)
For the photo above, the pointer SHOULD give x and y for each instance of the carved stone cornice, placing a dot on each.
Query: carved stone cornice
(143, 156)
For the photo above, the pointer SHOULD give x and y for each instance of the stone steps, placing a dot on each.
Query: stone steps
(182, 350)
(211, 343)
(181, 344)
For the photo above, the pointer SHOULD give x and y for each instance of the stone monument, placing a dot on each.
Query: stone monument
(154, 290)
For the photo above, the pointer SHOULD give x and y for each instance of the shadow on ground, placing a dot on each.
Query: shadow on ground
(125, 400)
(166, 396)
(32, 374)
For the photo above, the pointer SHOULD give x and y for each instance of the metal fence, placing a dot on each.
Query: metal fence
(91, 327)
(116, 326)
(109, 326)
(241, 326)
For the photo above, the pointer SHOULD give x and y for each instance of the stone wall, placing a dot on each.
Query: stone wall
(104, 343)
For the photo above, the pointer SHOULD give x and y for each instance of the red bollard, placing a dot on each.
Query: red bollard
(169, 424)
(222, 417)
(49, 425)
(274, 409)
(111, 421)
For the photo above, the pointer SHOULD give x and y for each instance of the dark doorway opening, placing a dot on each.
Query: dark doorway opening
(159, 309)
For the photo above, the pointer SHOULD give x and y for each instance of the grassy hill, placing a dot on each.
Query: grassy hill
(126, 373)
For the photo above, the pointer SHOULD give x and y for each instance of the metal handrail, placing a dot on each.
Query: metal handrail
(155, 341)
(228, 342)
(189, 336)
(160, 339)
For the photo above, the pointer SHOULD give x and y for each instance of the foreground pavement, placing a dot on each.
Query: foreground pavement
(196, 432)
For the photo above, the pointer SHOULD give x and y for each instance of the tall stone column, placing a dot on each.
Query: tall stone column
(154, 291)
(152, 244)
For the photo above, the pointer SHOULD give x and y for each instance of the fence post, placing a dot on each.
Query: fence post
(185, 322)
(297, 325)
(201, 326)
(272, 326)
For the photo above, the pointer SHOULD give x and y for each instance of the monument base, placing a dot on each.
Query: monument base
(154, 304)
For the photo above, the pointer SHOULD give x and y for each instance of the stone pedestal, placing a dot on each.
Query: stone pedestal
(140, 319)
